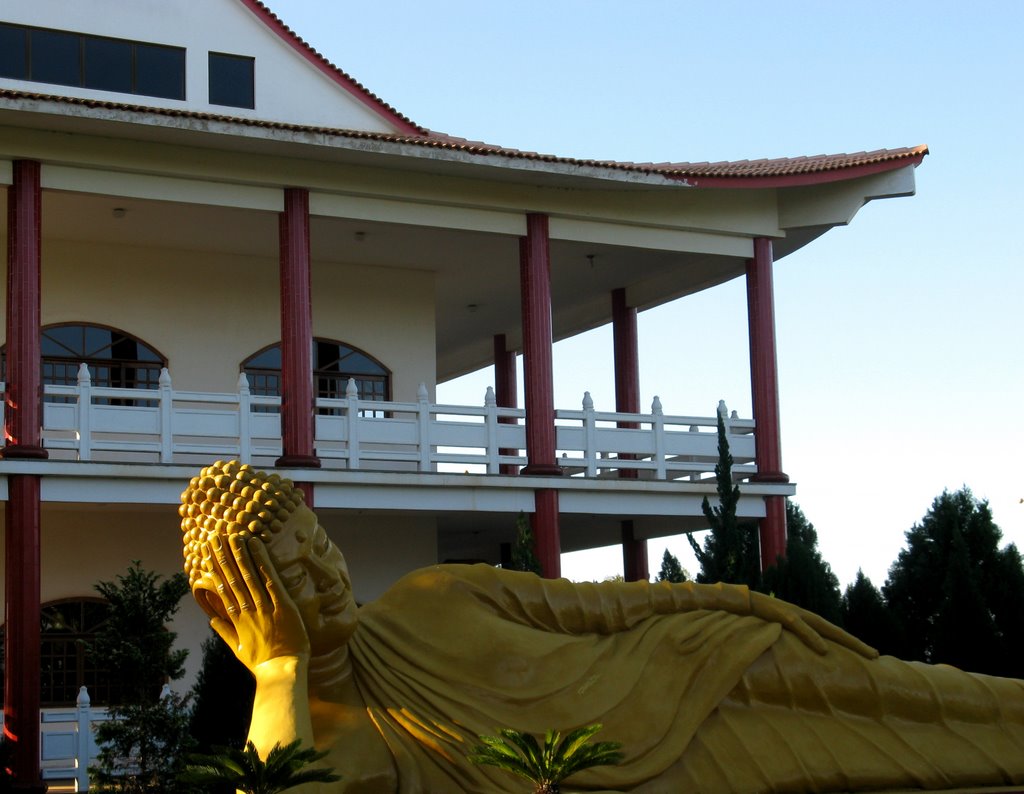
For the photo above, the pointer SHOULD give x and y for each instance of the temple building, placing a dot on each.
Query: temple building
(220, 245)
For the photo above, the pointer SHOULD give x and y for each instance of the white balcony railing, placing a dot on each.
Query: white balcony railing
(89, 423)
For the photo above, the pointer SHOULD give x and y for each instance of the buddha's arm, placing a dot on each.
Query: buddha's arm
(609, 607)
(251, 611)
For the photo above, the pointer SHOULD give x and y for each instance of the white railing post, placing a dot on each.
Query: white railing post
(491, 420)
(658, 426)
(244, 411)
(589, 435)
(166, 407)
(695, 475)
(83, 739)
(352, 415)
(84, 413)
(423, 416)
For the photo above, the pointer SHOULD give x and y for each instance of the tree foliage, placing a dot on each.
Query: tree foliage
(671, 569)
(222, 699)
(143, 741)
(959, 598)
(546, 767)
(133, 642)
(286, 766)
(803, 577)
(731, 551)
(866, 616)
(524, 558)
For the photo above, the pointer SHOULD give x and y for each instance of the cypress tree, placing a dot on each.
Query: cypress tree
(671, 569)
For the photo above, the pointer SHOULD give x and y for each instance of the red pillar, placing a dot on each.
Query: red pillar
(625, 342)
(764, 386)
(297, 426)
(23, 420)
(505, 391)
(535, 282)
(23, 400)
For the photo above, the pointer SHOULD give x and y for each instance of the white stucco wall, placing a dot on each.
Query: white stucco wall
(288, 88)
(207, 312)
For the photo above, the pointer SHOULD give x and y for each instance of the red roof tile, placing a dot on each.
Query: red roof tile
(779, 172)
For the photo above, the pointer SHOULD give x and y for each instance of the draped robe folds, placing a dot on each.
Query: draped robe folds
(709, 688)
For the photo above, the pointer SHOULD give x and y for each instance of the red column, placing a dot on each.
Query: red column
(626, 346)
(23, 420)
(764, 386)
(23, 400)
(505, 391)
(535, 282)
(297, 427)
(547, 543)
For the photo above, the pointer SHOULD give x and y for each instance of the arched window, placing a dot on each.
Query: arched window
(333, 364)
(67, 626)
(114, 358)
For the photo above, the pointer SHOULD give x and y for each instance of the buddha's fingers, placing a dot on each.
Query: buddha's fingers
(813, 630)
(236, 578)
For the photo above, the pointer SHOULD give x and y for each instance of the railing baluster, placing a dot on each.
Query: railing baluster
(83, 741)
(84, 413)
(244, 416)
(589, 435)
(423, 416)
(658, 426)
(166, 404)
(491, 420)
(352, 415)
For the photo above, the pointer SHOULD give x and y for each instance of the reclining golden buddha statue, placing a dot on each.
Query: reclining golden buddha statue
(709, 688)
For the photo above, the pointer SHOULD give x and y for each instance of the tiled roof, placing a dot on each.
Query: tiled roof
(780, 172)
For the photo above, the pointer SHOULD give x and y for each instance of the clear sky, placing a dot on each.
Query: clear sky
(899, 337)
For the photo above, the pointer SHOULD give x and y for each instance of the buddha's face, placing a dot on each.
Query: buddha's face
(314, 573)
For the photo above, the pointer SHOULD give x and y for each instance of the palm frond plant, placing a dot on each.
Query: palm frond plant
(546, 767)
(247, 772)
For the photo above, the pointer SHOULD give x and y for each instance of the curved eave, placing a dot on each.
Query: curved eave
(819, 177)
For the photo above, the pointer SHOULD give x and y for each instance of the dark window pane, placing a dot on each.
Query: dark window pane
(108, 64)
(55, 57)
(13, 52)
(160, 71)
(232, 80)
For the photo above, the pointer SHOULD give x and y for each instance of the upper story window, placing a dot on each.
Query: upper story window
(76, 59)
(333, 364)
(232, 80)
(114, 358)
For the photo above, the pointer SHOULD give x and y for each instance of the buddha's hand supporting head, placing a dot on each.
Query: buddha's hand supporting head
(261, 566)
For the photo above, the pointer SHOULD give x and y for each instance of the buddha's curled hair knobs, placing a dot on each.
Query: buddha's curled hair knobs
(232, 498)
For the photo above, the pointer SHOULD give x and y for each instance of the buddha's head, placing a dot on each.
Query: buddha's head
(233, 499)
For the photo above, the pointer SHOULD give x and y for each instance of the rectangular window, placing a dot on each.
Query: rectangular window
(66, 58)
(232, 80)
(55, 57)
(108, 64)
(160, 71)
(13, 52)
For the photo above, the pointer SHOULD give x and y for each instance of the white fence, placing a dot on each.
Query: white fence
(164, 425)
(67, 744)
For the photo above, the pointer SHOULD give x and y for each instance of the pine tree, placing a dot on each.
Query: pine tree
(671, 569)
(957, 595)
(222, 697)
(803, 577)
(866, 617)
(731, 552)
(143, 742)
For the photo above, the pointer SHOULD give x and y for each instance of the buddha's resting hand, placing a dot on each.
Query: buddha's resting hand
(248, 605)
(812, 629)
